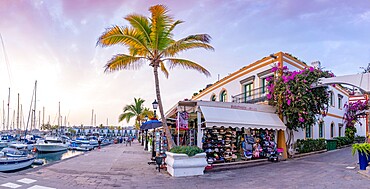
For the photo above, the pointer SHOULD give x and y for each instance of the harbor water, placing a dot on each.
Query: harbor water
(56, 156)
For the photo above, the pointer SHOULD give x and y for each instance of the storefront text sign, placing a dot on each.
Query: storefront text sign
(243, 108)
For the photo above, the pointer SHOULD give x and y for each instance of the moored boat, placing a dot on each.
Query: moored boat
(51, 144)
(13, 159)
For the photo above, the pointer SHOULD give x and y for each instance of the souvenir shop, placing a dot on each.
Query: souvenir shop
(230, 132)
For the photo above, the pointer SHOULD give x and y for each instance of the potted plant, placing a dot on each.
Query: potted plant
(363, 150)
(186, 161)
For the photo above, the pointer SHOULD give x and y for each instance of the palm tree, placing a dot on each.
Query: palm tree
(136, 110)
(150, 40)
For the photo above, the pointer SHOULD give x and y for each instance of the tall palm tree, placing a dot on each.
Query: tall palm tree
(136, 110)
(150, 40)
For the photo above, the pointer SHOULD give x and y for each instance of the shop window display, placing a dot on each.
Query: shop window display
(231, 144)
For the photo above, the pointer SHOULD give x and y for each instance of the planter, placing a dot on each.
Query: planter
(179, 165)
(363, 161)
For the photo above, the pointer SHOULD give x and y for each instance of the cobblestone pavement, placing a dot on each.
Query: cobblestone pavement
(118, 166)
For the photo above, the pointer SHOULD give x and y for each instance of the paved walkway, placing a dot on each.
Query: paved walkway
(118, 166)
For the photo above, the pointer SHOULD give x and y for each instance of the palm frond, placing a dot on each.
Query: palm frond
(179, 47)
(174, 25)
(160, 23)
(141, 24)
(127, 116)
(187, 64)
(123, 35)
(123, 61)
(164, 69)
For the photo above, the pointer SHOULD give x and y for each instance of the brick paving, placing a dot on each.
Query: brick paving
(120, 166)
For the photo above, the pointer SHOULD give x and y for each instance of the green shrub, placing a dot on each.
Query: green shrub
(310, 145)
(188, 150)
(360, 139)
(343, 141)
(350, 132)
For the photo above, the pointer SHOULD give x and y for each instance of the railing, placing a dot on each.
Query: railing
(252, 97)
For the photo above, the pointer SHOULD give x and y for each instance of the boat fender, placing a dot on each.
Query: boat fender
(34, 149)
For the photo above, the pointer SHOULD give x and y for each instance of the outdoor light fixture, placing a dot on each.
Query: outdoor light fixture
(146, 118)
(155, 106)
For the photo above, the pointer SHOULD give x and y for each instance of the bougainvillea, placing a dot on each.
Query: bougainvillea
(354, 111)
(291, 92)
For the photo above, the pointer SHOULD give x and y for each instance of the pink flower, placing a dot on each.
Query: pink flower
(288, 102)
(268, 96)
(300, 119)
(274, 69)
(312, 69)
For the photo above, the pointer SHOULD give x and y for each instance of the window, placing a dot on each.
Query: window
(340, 129)
(332, 130)
(331, 98)
(321, 129)
(223, 96)
(263, 86)
(340, 99)
(247, 90)
(213, 97)
(308, 132)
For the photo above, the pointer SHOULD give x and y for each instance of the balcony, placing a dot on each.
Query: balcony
(252, 97)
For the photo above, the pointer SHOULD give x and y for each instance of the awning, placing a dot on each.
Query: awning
(229, 117)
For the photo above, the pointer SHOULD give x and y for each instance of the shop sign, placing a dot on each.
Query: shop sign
(243, 108)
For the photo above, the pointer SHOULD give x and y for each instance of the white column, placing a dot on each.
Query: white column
(199, 133)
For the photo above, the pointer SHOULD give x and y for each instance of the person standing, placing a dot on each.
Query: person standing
(129, 140)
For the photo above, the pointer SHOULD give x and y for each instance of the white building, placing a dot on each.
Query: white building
(248, 85)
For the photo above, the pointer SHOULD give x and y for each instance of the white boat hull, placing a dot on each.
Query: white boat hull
(10, 164)
(50, 147)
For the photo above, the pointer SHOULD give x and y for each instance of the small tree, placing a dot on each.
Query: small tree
(291, 93)
(354, 112)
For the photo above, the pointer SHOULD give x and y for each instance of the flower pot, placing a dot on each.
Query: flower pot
(179, 165)
(363, 160)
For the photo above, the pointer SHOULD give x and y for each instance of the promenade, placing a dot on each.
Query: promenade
(120, 166)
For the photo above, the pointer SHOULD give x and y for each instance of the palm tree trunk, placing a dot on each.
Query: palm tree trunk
(171, 143)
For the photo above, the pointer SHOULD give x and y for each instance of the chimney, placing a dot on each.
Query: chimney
(316, 64)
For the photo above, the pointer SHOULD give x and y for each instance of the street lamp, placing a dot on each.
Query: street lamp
(142, 131)
(155, 106)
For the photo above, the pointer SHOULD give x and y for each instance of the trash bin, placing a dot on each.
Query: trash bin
(331, 144)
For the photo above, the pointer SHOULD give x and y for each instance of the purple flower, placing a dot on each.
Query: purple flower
(274, 69)
(269, 96)
(288, 102)
(300, 119)
(312, 69)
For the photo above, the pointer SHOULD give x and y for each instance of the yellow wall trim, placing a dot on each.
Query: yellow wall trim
(333, 115)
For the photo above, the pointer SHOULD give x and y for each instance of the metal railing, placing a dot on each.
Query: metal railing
(252, 97)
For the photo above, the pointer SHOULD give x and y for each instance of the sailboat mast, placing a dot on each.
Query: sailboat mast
(29, 112)
(18, 113)
(7, 118)
(59, 115)
(34, 108)
(3, 116)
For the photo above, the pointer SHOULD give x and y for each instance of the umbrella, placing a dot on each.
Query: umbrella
(152, 124)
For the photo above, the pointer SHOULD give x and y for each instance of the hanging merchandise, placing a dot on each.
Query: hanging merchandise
(182, 121)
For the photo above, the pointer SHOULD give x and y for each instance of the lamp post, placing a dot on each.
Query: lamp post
(142, 132)
(155, 106)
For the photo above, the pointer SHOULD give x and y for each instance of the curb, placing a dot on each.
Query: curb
(365, 173)
(237, 165)
(309, 153)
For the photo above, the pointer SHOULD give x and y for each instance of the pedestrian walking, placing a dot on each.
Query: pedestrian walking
(129, 140)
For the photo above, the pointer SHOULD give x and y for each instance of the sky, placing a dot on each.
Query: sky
(54, 42)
